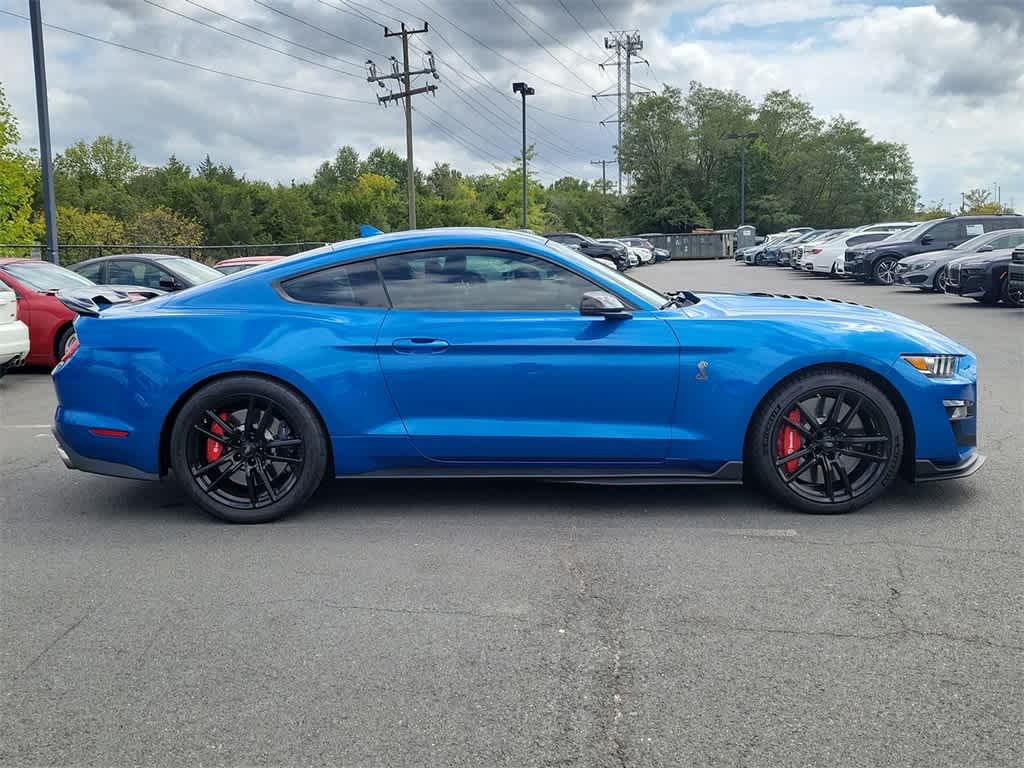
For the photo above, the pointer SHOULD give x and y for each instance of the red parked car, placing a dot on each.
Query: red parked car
(50, 324)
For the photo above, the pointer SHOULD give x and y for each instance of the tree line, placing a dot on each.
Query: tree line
(682, 168)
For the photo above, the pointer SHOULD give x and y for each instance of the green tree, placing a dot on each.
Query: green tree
(19, 175)
(162, 226)
(95, 177)
(78, 227)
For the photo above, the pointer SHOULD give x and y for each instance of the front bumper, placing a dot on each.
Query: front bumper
(913, 279)
(972, 282)
(927, 471)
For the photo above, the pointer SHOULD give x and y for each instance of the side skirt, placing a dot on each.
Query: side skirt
(730, 473)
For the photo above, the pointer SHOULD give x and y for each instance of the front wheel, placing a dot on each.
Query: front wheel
(248, 450)
(885, 271)
(1013, 294)
(941, 281)
(826, 442)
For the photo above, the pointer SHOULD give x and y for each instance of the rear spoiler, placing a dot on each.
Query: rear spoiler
(91, 300)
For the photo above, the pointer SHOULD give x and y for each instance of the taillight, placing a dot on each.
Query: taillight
(72, 348)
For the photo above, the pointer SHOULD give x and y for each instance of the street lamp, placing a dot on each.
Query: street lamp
(743, 168)
(525, 90)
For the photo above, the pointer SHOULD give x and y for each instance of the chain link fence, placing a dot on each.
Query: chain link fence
(208, 254)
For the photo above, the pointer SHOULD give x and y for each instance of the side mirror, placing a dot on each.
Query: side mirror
(927, 240)
(602, 304)
(985, 249)
(169, 284)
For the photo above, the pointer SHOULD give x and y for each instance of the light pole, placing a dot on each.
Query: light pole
(525, 90)
(742, 137)
(43, 110)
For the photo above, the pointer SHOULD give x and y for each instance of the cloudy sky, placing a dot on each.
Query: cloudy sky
(946, 78)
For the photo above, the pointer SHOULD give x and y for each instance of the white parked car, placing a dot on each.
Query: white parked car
(633, 253)
(829, 258)
(13, 332)
(644, 249)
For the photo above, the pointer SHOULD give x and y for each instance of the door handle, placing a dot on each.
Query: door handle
(411, 346)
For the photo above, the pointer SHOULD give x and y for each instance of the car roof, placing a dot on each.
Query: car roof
(248, 260)
(142, 256)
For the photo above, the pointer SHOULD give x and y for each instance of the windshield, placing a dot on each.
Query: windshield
(43, 276)
(192, 271)
(976, 242)
(906, 235)
(645, 292)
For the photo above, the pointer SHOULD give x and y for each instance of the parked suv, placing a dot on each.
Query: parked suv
(1015, 277)
(877, 263)
(590, 247)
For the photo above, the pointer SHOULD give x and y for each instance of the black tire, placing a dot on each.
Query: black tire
(1014, 297)
(60, 347)
(281, 444)
(940, 282)
(872, 423)
(884, 272)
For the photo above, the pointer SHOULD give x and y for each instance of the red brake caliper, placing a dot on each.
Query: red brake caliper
(213, 448)
(790, 441)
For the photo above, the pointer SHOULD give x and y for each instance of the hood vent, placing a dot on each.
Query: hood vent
(807, 298)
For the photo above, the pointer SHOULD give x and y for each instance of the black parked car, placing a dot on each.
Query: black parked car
(1015, 277)
(590, 247)
(152, 270)
(983, 277)
(877, 263)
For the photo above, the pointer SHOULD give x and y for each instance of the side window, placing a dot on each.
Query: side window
(945, 232)
(134, 273)
(91, 271)
(974, 228)
(480, 280)
(347, 285)
(1006, 241)
(1003, 222)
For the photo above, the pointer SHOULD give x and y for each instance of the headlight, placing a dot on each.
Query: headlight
(921, 265)
(934, 366)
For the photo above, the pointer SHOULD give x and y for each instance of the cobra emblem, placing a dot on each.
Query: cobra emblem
(702, 370)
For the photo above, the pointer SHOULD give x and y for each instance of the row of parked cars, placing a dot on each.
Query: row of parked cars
(978, 257)
(36, 328)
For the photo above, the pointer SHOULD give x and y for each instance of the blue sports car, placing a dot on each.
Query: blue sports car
(480, 352)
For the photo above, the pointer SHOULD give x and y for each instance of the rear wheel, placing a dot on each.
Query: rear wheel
(826, 442)
(248, 450)
(885, 271)
(65, 342)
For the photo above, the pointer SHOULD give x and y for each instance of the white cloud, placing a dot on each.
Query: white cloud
(762, 13)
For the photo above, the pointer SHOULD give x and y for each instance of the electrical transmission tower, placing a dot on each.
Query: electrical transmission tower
(626, 45)
(402, 75)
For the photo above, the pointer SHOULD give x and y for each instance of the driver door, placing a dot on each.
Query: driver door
(488, 359)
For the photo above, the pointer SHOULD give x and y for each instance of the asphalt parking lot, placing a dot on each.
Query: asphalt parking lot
(522, 624)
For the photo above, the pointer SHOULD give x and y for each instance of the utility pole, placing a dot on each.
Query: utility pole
(742, 137)
(525, 90)
(604, 192)
(627, 45)
(403, 75)
(43, 110)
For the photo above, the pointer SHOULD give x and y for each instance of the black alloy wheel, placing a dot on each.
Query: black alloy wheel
(885, 271)
(826, 442)
(1013, 294)
(248, 449)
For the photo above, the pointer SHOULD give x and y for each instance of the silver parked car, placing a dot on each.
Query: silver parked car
(928, 271)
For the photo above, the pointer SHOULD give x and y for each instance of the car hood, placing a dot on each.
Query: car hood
(940, 256)
(984, 258)
(829, 319)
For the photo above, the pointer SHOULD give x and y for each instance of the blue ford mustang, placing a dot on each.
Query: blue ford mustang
(479, 352)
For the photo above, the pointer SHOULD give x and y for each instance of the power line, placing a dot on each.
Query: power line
(247, 39)
(550, 36)
(191, 65)
(580, 25)
(351, 12)
(603, 14)
(499, 54)
(305, 23)
(288, 40)
(543, 47)
(357, 6)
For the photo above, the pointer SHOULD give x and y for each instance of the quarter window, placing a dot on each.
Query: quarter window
(474, 279)
(346, 285)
